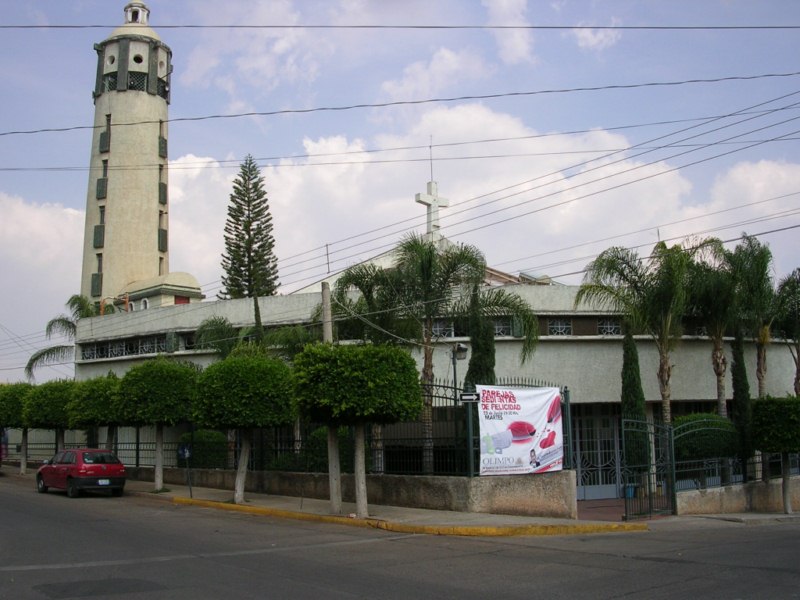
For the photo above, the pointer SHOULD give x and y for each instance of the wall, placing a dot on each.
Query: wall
(545, 495)
(755, 496)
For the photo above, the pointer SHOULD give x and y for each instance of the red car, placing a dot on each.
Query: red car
(81, 469)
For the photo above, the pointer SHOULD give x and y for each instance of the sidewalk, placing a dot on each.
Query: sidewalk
(390, 518)
(601, 516)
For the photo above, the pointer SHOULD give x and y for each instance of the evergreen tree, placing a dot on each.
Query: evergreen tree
(481, 336)
(632, 397)
(742, 405)
(249, 263)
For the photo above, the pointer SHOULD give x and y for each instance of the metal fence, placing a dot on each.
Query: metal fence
(652, 476)
(398, 449)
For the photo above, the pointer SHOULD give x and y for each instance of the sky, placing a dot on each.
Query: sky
(555, 129)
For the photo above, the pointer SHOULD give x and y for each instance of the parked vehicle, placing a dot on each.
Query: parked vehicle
(80, 469)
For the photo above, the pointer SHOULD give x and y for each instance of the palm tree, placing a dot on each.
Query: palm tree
(426, 283)
(712, 287)
(789, 319)
(80, 307)
(652, 295)
(751, 262)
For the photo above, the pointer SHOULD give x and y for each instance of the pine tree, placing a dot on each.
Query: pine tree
(249, 263)
(481, 334)
(742, 403)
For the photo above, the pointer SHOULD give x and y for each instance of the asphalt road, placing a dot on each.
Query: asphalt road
(53, 547)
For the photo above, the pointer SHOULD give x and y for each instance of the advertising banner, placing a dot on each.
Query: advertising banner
(520, 430)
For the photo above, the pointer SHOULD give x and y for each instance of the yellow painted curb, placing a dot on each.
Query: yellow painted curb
(459, 530)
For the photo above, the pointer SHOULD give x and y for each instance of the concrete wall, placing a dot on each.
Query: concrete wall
(755, 496)
(545, 495)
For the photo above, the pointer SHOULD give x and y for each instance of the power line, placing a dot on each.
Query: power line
(767, 27)
(291, 111)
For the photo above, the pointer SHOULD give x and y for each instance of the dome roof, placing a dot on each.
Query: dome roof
(136, 16)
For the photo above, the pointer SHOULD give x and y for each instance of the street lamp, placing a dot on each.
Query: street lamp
(457, 352)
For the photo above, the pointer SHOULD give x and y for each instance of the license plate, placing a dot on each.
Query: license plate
(103, 482)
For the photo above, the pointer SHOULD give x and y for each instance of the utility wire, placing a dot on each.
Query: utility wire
(291, 111)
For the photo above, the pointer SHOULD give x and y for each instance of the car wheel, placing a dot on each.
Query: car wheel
(72, 489)
(117, 492)
(40, 486)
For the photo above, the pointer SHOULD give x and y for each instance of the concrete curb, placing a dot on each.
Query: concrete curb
(455, 530)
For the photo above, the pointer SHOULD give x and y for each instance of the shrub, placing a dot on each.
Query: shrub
(209, 449)
(704, 435)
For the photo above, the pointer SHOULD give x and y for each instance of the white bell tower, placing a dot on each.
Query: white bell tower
(126, 232)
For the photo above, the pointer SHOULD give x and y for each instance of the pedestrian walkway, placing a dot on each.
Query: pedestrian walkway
(390, 518)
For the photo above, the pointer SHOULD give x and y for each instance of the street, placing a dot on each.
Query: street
(96, 546)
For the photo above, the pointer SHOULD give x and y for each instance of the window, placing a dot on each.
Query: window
(559, 327)
(502, 327)
(102, 210)
(145, 303)
(105, 167)
(443, 328)
(99, 262)
(609, 327)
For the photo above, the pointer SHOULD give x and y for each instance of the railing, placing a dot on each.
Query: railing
(391, 449)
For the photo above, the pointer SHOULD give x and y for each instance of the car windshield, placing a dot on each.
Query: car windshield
(99, 458)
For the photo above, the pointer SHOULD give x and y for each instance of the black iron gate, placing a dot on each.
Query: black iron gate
(648, 469)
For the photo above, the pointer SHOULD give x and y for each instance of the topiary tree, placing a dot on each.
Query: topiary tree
(480, 370)
(355, 385)
(157, 392)
(45, 407)
(702, 436)
(636, 439)
(776, 428)
(94, 403)
(242, 392)
(742, 404)
(12, 400)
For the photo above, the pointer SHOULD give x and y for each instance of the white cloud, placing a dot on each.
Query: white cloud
(767, 190)
(515, 46)
(40, 250)
(598, 39)
(445, 68)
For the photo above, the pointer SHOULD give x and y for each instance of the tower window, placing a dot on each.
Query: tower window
(102, 210)
(99, 263)
(105, 168)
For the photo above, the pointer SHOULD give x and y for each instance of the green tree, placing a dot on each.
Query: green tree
(712, 288)
(242, 392)
(95, 403)
(157, 392)
(12, 401)
(652, 294)
(788, 322)
(45, 407)
(355, 385)
(776, 428)
(249, 261)
(480, 370)
(217, 333)
(751, 262)
(632, 402)
(742, 403)
(80, 307)
(427, 283)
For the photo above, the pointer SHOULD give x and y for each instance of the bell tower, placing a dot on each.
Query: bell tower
(126, 231)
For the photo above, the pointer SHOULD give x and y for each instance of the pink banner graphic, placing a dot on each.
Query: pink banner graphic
(520, 430)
